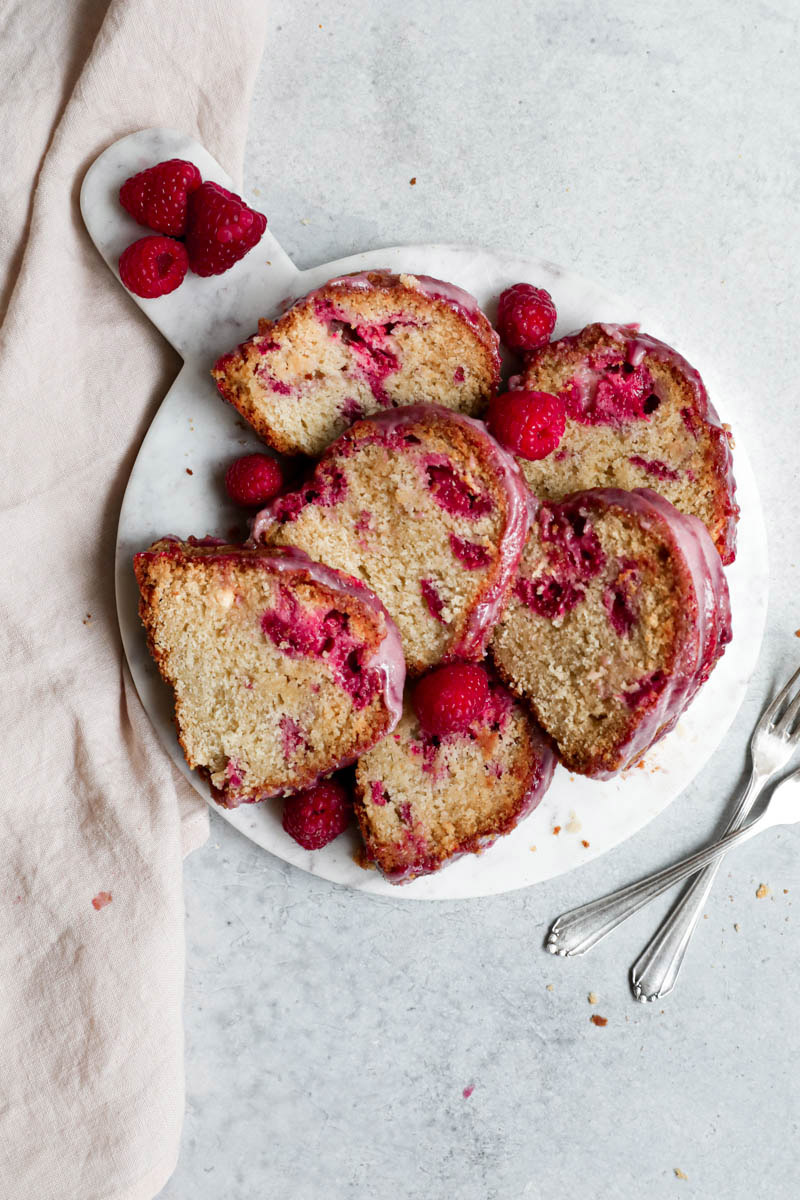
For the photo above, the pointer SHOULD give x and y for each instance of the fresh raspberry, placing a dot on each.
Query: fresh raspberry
(153, 266)
(449, 698)
(221, 229)
(159, 196)
(526, 317)
(530, 424)
(317, 815)
(253, 479)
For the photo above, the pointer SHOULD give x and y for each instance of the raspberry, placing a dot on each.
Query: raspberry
(158, 197)
(530, 424)
(253, 479)
(526, 317)
(317, 815)
(221, 229)
(153, 266)
(449, 698)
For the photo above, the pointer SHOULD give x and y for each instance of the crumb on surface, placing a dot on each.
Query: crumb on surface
(761, 891)
(549, 987)
(413, 180)
(87, 618)
(467, 1092)
(532, 847)
(593, 997)
(797, 633)
(573, 825)
(189, 471)
(679, 1174)
(101, 900)
(596, 1019)
(737, 927)
(786, 891)
(584, 843)
(556, 830)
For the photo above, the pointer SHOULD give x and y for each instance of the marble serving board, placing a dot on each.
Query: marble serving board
(176, 487)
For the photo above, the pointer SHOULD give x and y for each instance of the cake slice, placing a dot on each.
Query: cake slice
(359, 344)
(638, 416)
(423, 506)
(618, 615)
(282, 669)
(422, 801)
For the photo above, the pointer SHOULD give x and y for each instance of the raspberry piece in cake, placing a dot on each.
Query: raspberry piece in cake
(153, 266)
(422, 800)
(618, 615)
(221, 229)
(159, 196)
(400, 501)
(317, 815)
(526, 317)
(357, 345)
(637, 416)
(529, 424)
(449, 698)
(253, 479)
(282, 670)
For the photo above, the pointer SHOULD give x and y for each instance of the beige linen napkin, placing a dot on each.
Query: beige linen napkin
(91, 1070)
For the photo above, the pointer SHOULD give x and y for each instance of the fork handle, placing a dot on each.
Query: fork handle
(656, 970)
(580, 929)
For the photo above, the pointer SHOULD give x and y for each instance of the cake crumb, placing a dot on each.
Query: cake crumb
(101, 900)
(737, 927)
(584, 843)
(549, 987)
(593, 997)
(533, 848)
(761, 891)
(573, 825)
(189, 471)
(596, 1019)
(640, 765)
(467, 1092)
(413, 180)
(87, 618)
(705, 916)
(786, 891)
(556, 830)
(797, 633)
(679, 1174)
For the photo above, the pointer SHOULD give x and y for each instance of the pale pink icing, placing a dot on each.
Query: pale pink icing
(387, 660)
(487, 611)
(708, 624)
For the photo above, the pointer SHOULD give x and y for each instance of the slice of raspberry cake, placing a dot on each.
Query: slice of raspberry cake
(422, 799)
(426, 508)
(355, 346)
(618, 615)
(637, 416)
(282, 669)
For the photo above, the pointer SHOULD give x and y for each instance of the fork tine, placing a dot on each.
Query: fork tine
(770, 715)
(784, 728)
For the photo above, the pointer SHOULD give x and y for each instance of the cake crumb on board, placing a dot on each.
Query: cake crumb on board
(593, 997)
(679, 1174)
(596, 1019)
(761, 891)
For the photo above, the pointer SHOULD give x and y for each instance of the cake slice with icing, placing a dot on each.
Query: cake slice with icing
(360, 344)
(428, 510)
(282, 669)
(637, 416)
(618, 615)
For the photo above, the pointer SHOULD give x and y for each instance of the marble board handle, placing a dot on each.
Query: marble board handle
(203, 317)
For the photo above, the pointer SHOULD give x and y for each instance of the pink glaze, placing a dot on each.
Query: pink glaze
(391, 428)
(421, 860)
(659, 702)
(387, 661)
(638, 348)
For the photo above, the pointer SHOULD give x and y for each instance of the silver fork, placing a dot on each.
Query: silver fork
(773, 741)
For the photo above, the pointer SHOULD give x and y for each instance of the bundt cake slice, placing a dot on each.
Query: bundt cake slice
(422, 801)
(282, 669)
(618, 615)
(425, 508)
(357, 345)
(638, 416)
